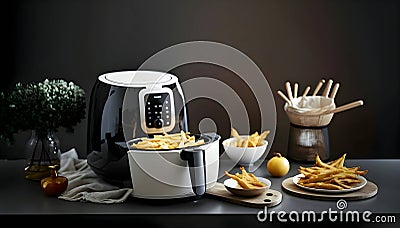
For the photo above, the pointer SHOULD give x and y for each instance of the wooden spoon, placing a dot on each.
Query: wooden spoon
(304, 96)
(320, 83)
(289, 91)
(327, 88)
(334, 91)
(345, 107)
(295, 90)
(285, 98)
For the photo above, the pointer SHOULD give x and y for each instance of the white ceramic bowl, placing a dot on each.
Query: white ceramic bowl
(232, 186)
(244, 155)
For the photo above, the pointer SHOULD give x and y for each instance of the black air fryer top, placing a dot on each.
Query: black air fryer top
(108, 119)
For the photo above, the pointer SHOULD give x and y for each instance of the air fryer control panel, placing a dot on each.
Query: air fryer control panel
(157, 110)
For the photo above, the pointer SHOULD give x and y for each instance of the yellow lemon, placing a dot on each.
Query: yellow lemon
(278, 166)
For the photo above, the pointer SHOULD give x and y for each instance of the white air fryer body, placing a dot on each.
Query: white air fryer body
(164, 175)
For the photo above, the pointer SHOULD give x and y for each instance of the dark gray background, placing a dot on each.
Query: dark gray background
(352, 42)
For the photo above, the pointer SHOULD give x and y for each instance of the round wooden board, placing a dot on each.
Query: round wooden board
(369, 190)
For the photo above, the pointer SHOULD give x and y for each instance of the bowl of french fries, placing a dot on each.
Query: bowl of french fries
(245, 149)
(330, 177)
(246, 184)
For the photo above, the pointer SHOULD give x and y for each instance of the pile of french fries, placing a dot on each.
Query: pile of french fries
(252, 140)
(168, 141)
(332, 175)
(246, 180)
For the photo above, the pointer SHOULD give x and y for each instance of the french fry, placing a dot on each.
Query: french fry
(320, 163)
(240, 181)
(168, 141)
(324, 185)
(255, 181)
(234, 133)
(340, 183)
(263, 136)
(252, 140)
(341, 161)
(246, 180)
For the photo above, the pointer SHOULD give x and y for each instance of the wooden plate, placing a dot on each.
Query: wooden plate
(269, 198)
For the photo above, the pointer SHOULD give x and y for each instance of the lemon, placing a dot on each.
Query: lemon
(278, 166)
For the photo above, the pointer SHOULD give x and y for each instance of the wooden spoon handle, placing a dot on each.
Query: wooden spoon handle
(334, 91)
(327, 88)
(285, 98)
(305, 93)
(289, 91)
(346, 107)
(319, 85)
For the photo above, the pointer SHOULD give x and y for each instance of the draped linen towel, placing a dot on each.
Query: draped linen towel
(84, 185)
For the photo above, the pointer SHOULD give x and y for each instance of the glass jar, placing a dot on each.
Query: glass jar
(305, 142)
(42, 150)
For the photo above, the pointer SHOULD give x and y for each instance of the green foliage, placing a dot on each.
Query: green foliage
(41, 106)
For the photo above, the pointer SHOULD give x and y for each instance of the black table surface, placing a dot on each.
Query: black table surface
(19, 196)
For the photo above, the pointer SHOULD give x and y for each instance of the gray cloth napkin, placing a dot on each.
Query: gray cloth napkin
(84, 185)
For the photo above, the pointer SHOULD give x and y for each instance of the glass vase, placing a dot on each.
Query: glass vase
(42, 150)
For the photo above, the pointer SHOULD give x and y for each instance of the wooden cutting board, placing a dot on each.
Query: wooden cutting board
(270, 198)
(369, 190)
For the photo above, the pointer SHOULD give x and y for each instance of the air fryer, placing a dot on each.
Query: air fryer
(126, 105)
